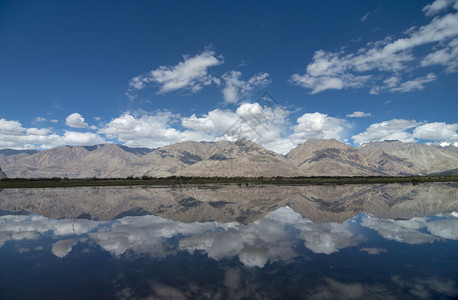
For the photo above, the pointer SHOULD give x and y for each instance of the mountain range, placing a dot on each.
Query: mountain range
(315, 157)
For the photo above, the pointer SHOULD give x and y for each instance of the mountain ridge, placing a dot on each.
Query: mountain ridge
(244, 158)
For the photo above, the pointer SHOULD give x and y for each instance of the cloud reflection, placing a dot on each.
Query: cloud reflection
(273, 238)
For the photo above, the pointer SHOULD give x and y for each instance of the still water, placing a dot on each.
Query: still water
(229, 242)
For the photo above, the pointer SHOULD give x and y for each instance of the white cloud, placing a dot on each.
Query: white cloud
(81, 138)
(149, 130)
(437, 131)
(359, 114)
(10, 127)
(446, 56)
(438, 6)
(409, 131)
(391, 59)
(75, 120)
(415, 84)
(191, 74)
(13, 135)
(268, 126)
(319, 126)
(39, 119)
(395, 129)
(262, 124)
(236, 89)
(327, 72)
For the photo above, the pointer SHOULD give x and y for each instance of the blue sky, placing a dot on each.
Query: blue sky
(152, 73)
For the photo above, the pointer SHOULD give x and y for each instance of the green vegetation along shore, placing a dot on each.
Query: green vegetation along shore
(178, 181)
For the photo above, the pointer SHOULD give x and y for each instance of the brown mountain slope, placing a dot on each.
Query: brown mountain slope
(410, 158)
(168, 160)
(318, 157)
(72, 162)
(8, 156)
(47, 163)
(242, 158)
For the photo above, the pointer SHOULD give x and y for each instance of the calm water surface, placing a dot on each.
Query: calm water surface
(229, 242)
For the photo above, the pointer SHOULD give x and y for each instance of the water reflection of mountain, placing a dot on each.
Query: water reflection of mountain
(321, 204)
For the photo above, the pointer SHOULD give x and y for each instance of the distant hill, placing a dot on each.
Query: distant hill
(241, 158)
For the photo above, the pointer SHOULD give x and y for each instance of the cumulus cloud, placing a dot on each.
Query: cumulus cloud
(319, 126)
(395, 129)
(437, 131)
(191, 74)
(149, 130)
(13, 135)
(81, 138)
(267, 125)
(391, 59)
(409, 131)
(264, 123)
(359, 114)
(76, 120)
(10, 127)
(236, 89)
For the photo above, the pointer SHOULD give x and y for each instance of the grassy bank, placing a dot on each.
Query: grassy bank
(178, 181)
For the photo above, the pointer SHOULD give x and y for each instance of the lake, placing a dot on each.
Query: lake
(387, 241)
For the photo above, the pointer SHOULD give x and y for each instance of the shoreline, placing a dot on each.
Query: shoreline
(241, 181)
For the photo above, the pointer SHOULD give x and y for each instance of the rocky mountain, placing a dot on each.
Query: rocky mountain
(8, 156)
(223, 158)
(410, 158)
(241, 158)
(168, 160)
(72, 162)
(333, 158)
(2, 174)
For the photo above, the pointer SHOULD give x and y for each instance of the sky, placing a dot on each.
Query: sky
(153, 73)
